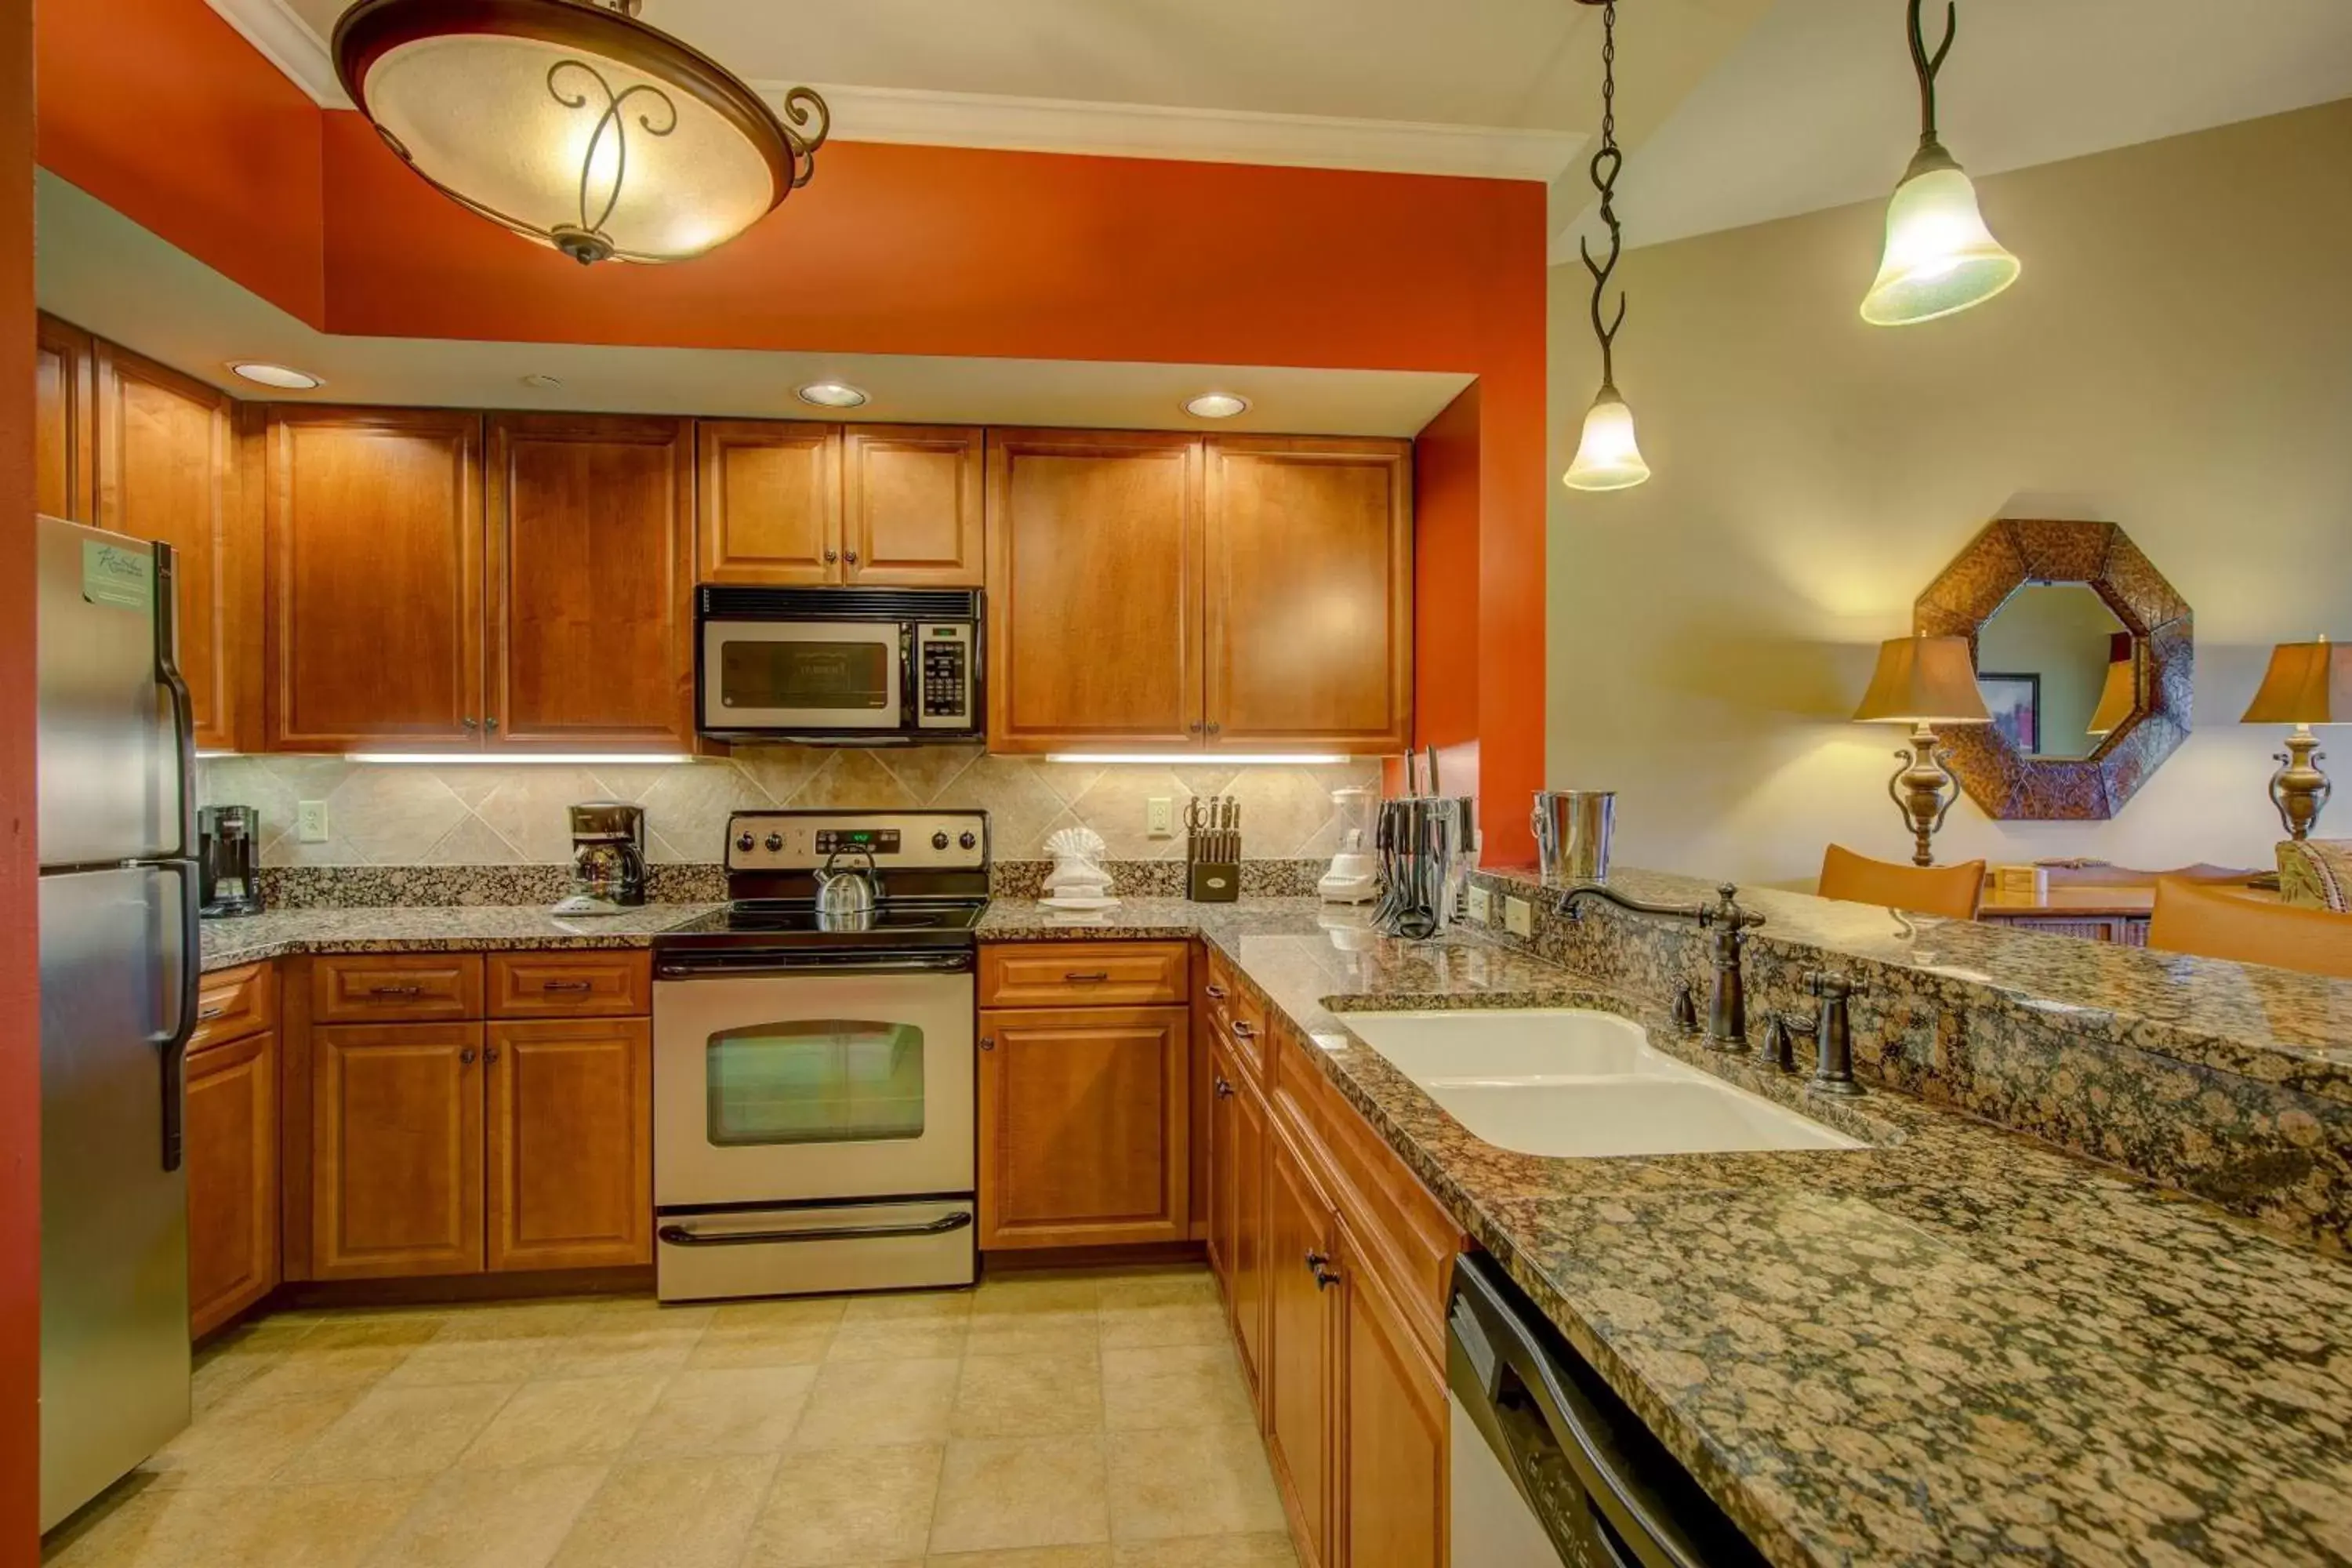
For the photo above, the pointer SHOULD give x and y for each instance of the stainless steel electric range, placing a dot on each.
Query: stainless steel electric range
(814, 1062)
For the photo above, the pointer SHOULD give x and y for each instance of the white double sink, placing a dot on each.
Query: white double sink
(1580, 1084)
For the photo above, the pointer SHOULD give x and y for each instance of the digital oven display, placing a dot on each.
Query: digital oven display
(877, 840)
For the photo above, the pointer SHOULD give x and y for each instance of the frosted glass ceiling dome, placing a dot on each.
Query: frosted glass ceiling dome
(572, 123)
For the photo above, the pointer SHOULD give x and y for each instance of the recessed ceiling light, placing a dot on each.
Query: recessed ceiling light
(832, 395)
(283, 377)
(539, 381)
(1216, 406)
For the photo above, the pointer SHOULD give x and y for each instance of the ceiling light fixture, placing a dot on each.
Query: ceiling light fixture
(572, 123)
(1606, 457)
(832, 395)
(283, 377)
(539, 381)
(1216, 406)
(1940, 258)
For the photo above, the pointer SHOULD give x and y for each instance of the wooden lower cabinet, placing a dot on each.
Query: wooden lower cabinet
(231, 1151)
(570, 1143)
(1302, 1325)
(396, 1149)
(1237, 1134)
(1083, 1126)
(1392, 1429)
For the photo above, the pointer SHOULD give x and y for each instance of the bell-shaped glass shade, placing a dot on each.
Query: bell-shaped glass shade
(1607, 458)
(1940, 258)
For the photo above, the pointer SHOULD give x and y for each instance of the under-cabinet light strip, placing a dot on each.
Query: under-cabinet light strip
(509, 759)
(1204, 759)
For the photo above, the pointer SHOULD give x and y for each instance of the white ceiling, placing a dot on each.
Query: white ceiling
(1816, 106)
(99, 270)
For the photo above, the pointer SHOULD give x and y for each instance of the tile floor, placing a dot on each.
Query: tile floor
(1070, 1421)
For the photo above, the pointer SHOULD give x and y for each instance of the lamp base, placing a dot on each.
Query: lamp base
(1923, 789)
(2299, 789)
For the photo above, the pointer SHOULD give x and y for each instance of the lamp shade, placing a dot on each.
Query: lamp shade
(2117, 699)
(1606, 457)
(2307, 683)
(1940, 258)
(1924, 681)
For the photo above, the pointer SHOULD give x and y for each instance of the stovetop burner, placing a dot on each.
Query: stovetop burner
(931, 868)
(756, 918)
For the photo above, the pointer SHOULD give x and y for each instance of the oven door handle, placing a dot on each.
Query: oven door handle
(831, 961)
(680, 1235)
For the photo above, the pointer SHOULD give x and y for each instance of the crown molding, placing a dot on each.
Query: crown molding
(1060, 125)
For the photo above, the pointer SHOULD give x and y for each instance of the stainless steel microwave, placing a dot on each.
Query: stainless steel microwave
(870, 665)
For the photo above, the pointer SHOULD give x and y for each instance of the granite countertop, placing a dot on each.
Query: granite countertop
(1953, 1345)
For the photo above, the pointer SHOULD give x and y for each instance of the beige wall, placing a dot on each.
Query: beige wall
(487, 814)
(2176, 358)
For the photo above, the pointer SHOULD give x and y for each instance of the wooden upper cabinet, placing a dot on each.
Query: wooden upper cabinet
(590, 578)
(570, 1143)
(64, 425)
(395, 1150)
(166, 470)
(769, 505)
(1309, 637)
(912, 505)
(1094, 589)
(372, 529)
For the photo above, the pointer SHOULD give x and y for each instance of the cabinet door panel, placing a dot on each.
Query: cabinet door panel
(64, 431)
(1297, 1369)
(769, 506)
(373, 538)
(1309, 595)
(1238, 1155)
(396, 1149)
(1083, 1124)
(912, 505)
(1392, 1433)
(231, 1124)
(571, 1143)
(1094, 589)
(591, 567)
(166, 470)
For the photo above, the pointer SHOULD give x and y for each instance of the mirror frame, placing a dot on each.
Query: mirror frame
(2007, 555)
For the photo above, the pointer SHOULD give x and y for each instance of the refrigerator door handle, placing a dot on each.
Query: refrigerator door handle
(174, 1042)
(183, 707)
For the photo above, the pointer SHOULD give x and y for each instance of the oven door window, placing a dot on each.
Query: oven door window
(823, 1081)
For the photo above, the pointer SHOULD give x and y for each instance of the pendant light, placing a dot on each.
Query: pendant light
(572, 123)
(1606, 457)
(1940, 258)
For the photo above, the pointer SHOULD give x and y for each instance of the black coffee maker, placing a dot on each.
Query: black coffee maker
(608, 859)
(228, 859)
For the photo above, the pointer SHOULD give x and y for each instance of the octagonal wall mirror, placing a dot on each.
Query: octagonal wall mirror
(2085, 655)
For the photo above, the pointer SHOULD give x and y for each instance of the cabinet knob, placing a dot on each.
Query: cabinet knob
(1318, 1265)
(988, 1042)
(466, 1055)
(490, 1053)
(470, 725)
(850, 556)
(1224, 1089)
(491, 724)
(831, 556)
(1216, 728)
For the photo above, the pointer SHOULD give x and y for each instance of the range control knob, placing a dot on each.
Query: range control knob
(939, 839)
(744, 843)
(968, 839)
(775, 843)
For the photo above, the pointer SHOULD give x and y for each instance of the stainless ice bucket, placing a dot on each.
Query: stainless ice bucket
(1572, 828)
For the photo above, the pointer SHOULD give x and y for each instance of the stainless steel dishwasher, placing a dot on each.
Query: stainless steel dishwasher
(1548, 1466)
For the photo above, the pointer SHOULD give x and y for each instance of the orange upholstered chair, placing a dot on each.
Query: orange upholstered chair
(1952, 891)
(2214, 925)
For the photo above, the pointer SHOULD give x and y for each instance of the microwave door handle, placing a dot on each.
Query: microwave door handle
(908, 678)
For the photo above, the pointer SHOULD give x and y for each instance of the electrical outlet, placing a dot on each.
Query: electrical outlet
(310, 821)
(1519, 916)
(1160, 816)
(1482, 905)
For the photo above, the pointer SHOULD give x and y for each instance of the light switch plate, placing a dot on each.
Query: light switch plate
(1519, 916)
(310, 821)
(1482, 905)
(1160, 816)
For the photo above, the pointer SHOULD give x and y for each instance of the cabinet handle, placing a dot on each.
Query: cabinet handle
(850, 556)
(1216, 728)
(1094, 978)
(466, 1055)
(491, 724)
(206, 1015)
(395, 991)
(1214, 992)
(1242, 1031)
(988, 1042)
(1317, 1264)
(831, 556)
(470, 724)
(1224, 1089)
(491, 1054)
(565, 985)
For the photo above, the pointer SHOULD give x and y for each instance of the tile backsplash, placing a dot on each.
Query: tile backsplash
(493, 815)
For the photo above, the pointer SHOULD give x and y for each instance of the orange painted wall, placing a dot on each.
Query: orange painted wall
(161, 111)
(1446, 519)
(20, 1026)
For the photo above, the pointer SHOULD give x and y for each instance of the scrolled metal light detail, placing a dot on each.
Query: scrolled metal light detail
(587, 241)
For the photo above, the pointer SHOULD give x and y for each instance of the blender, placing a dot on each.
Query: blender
(1354, 875)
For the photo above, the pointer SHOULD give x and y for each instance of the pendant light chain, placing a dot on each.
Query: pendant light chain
(1607, 163)
(1928, 65)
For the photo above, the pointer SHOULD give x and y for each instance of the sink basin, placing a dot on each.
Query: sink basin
(1577, 1084)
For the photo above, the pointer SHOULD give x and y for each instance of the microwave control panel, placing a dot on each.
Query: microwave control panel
(943, 653)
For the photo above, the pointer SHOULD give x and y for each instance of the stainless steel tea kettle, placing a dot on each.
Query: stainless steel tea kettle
(845, 898)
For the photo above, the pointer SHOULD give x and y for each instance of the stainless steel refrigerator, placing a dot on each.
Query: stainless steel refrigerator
(118, 975)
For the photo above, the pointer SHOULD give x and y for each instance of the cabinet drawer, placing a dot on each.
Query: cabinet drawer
(381, 988)
(570, 984)
(234, 1004)
(1083, 975)
(1234, 1017)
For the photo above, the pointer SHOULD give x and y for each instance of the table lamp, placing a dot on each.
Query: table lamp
(1923, 681)
(2119, 695)
(2307, 683)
